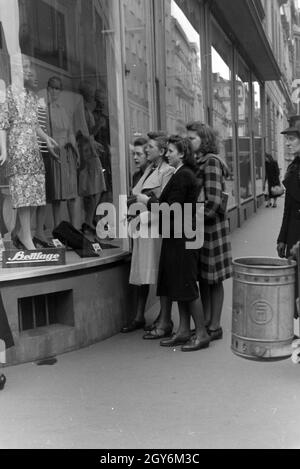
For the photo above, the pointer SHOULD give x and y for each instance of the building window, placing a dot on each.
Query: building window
(244, 130)
(43, 32)
(74, 54)
(257, 130)
(221, 55)
(183, 55)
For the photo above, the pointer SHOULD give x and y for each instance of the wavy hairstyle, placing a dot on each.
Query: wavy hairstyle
(161, 139)
(209, 137)
(184, 146)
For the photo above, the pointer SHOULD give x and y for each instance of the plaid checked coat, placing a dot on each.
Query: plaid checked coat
(215, 256)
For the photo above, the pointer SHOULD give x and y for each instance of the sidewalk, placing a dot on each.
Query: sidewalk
(130, 393)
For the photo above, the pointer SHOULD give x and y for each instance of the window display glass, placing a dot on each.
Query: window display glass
(257, 129)
(184, 90)
(60, 68)
(222, 115)
(243, 99)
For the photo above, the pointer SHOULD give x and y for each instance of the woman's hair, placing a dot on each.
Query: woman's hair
(55, 79)
(161, 139)
(140, 142)
(184, 146)
(209, 137)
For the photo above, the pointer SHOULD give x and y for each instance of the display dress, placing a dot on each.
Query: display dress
(24, 166)
(62, 174)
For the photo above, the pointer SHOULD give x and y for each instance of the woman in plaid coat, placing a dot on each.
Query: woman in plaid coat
(215, 257)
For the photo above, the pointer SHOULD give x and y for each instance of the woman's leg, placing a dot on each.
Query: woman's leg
(142, 296)
(196, 311)
(24, 233)
(184, 328)
(164, 319)
(217, 300)
(206, 301)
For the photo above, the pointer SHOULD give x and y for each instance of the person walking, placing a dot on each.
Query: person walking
(272, 178)
(215, 264)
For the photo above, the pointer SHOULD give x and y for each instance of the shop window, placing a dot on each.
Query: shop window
(73, 50)
(46, 310)
(222, 116)
(183, 55)
(43, 32)
(244, 130)
(139, 57)
(258, 132)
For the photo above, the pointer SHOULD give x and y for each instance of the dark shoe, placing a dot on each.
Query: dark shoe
(158, 333)
(18, 244)
(195, 344)
(44, 244)
(2, 382)
(133, 326)
(174, 341)
(215, 335)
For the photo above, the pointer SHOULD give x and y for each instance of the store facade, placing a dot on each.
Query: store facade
(110, 71)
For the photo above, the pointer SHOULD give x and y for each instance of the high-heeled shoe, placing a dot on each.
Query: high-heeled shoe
(18, 243)
(2, 382)
(44, 244)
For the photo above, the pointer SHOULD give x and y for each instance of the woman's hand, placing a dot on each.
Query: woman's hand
(3, 157)
(142, 199)
(53, 147)
(281, 249)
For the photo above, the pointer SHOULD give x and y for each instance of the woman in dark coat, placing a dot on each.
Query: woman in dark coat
(290, 228)
(272, 178)
(215, 264)
(178, 267)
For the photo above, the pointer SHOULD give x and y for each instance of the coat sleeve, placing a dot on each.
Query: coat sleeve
(213, 186)
(282, 238)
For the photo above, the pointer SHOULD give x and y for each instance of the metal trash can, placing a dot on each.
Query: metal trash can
(263, 307)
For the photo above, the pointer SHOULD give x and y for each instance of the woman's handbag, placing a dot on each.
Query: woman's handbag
(277, 191)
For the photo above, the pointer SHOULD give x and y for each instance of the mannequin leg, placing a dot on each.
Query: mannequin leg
(56, 205)
(40, 223)
(74, 212)
(25, 228)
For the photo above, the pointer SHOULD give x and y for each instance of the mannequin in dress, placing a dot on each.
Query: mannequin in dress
(25, 167)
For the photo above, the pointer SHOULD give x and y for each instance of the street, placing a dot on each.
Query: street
(129, 393)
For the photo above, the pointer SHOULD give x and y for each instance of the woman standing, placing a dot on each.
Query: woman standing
(215, 264)
(272, 178)
(178, 266)
(146, 251)
(25, 167)
(290, 228)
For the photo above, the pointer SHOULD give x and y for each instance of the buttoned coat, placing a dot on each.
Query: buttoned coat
(290, 227)
(215, 256)
(146, 251)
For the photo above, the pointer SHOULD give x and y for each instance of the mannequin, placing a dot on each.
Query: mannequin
(25, 168)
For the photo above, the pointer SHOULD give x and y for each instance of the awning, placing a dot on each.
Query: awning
(243, 20)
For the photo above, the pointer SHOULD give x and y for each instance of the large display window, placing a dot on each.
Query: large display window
(184, 87)
(61, 71)
(258, 135)
(222, 115)
(243, 101)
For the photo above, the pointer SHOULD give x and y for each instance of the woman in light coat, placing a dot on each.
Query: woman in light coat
(146, 251)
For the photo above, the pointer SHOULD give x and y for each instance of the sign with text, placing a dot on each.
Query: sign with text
(39, 258)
